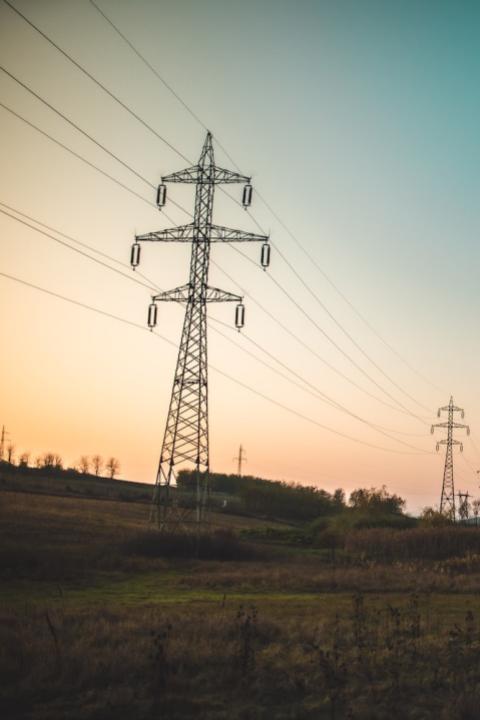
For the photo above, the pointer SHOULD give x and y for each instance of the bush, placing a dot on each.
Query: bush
(415, 544)
(216, 545)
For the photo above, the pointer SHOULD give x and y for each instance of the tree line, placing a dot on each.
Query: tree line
(299, 503)
(53, 462)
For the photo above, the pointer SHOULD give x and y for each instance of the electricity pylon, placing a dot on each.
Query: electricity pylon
(463, 506)
(186, 437)
(447, 499)
(2, 442)
(240, 460)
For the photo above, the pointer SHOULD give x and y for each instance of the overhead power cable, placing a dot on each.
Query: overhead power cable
(312, 389)
(132, 170)
(332, 341)
(316, 391)
(77, 250)
(245, 386)
(114, 97)
(309, 387)
(308, 347)
(151, 284)
(475, 446)
(97, 82)
(164, 82)
(345, 332)
(86, 134)
(161, 138)
(80, 157)
(281, 287)
(348, 302)
(469, 464)
(311, 259)
(184, 157)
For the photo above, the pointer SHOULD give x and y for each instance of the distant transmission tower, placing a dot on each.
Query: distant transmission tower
(463, 506)
(2, 442)
(186, 437)
(240, 460)
(447, 499)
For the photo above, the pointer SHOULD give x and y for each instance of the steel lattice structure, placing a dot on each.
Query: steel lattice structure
(463, 506)
(186, 437)
(447, 499)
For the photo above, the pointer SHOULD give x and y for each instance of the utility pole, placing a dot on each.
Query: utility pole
(186, 437)
(240, 460)
(2, 442)
(447, 499)
(463, 506)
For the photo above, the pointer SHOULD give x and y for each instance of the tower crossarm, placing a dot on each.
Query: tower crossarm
(451, 425)
(189, 233)
(184, 294)
(178, 294)
(182, 233)
(186, 436)
(454, 408)
(219, 233)
(217, 295)
(445, 441)
(212, 175)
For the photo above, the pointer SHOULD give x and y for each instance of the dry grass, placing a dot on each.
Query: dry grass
(126, 636)
(362, 660)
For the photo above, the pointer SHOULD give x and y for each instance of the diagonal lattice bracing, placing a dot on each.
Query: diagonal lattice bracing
(186, 437)
(447, 498)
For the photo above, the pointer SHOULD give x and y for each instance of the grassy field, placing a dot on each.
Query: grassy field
(96, 624)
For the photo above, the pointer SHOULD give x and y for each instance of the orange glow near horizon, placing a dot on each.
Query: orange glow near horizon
(381, 199)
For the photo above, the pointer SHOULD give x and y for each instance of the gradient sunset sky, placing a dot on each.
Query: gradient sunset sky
(358, 121)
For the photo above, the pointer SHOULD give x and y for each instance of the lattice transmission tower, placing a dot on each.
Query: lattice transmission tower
(186, 437)
(447, 498)
(463, 506)
(240, 459)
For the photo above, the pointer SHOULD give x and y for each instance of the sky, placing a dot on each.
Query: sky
(358, 122)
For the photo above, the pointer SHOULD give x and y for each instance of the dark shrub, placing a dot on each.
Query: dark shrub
(215, 545)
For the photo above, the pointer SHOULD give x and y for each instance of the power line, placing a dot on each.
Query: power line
(181, 154)
(74, 125)
(151, 285)
(97, 82)
(112, 96)
(307, 347)
(345, 332)
(310, 387)
(162, 80)
(314, 391)
(475, 446)
(178, 152)
(272, 211)
(217, 370)
(80, 157)
(80, 252)
(85, 134)
(107, 175)
(351, 305)
(332, 341)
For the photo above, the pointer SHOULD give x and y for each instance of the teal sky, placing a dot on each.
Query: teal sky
(359, 123)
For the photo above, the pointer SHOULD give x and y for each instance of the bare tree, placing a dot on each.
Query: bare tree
(97, 462)
(50, 461)
(24, 459)
(113, 467)
(11, 453)
(47, 460)
(476, 510)
(84, 464)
